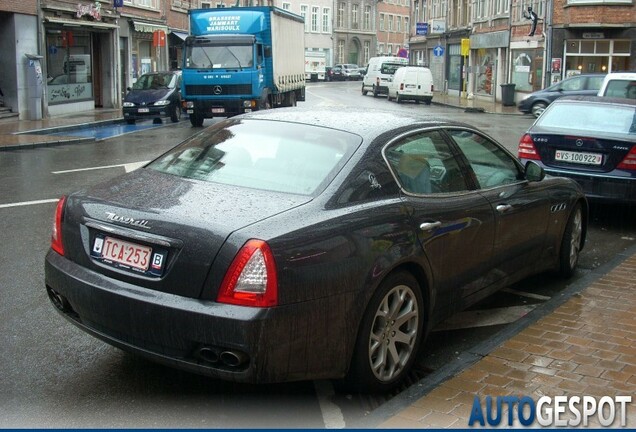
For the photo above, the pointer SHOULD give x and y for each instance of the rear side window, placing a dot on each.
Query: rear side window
(259, 154)
(621, 89)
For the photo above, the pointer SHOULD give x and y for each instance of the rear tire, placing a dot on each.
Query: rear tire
(364, 92)
(397, 98)
(375, 92)
(389, 337)
(571, 242)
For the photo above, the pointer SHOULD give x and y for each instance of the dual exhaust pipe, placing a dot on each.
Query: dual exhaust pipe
(229, 358)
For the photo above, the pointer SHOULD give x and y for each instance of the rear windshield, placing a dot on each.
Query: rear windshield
(390, 68)
(262, 154)
(617, 119)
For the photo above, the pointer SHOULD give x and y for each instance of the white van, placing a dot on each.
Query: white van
(411, 83)
(619, 84)
(379, 71)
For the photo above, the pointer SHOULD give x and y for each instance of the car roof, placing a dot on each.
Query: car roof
(596, 100)
(367, 123)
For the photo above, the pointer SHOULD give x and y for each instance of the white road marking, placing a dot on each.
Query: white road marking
(331, 414)
(26, 203)
(128, 167)
(485, 318)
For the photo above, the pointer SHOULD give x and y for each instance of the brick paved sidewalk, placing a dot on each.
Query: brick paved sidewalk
(587, 346)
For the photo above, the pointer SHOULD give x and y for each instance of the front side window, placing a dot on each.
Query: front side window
(492, 165)
(424, 164)
(266, 155)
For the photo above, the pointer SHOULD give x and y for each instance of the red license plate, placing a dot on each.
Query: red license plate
(123, 252)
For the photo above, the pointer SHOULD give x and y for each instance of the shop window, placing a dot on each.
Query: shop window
(69, 66)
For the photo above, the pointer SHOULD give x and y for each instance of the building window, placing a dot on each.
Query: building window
(315, 10)
(367, 17)
(341, 51)
(380, 49)
(303, 13)
(389, 22)
(326, 20)
(286, 6)
(407, 29)
(389, 49)
(381, 22)
(367, 52)
(354, 16)
(398, 25)
(595, 56)
(341, 14)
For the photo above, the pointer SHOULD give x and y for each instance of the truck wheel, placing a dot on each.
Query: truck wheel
(196, 120)
(375, 91)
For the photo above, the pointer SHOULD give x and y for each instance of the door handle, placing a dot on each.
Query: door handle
(429, 226)
(502, 208)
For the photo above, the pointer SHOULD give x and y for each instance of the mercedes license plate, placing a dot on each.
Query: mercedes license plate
(578, 157)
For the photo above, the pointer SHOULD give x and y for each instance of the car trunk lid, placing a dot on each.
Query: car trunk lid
(583, 152)
(161, 231)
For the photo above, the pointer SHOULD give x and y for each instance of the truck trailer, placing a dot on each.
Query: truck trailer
(242, 59)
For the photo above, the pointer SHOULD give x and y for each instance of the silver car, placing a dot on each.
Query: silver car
(351, 72)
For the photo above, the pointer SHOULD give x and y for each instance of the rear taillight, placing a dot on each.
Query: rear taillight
(629, 161)
(432, 88)
(526, 149)
(251, 279)
(56, 237)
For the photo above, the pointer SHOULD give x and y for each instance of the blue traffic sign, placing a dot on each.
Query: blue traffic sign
(438, 51)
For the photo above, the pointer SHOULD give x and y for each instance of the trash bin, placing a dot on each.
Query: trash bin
(508, 94)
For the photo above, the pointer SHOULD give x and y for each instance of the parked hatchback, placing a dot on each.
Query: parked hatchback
(154, 95)
(350, 72)
(589, 139)
(535, 103)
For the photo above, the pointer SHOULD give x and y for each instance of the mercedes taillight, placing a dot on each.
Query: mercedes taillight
(526, 149)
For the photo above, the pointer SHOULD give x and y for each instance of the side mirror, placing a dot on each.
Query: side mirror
(268, 51)
(534, 172)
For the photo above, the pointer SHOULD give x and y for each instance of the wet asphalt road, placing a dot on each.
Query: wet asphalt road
(54, 375)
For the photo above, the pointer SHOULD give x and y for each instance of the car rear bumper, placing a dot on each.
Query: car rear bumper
(235, 343)
(602, 188)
